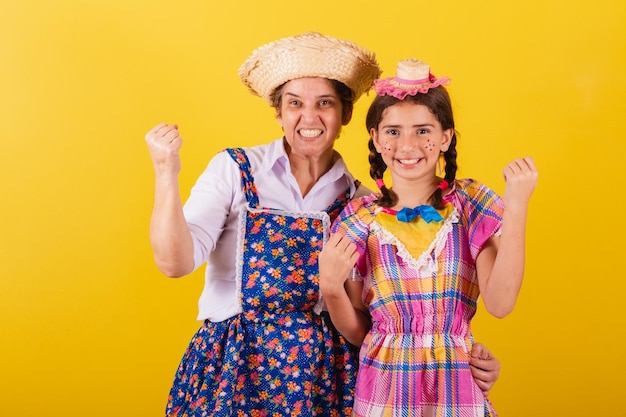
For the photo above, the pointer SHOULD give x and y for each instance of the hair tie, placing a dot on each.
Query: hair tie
(443, 185)
(380, 183)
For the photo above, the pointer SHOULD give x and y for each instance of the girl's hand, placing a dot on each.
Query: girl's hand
(164, 143)
(336, 260)
(521, 177)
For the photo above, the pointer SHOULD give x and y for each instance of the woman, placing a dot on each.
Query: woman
(258, 218)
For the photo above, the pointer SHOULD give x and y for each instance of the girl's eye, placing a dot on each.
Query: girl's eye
(392, 132)
(422, 131)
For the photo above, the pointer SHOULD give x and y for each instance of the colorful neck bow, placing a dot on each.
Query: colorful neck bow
(428, 213)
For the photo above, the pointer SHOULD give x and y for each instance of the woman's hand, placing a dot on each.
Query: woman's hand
(343, 296)
(336, 260)
(484, 366)
(164, 143)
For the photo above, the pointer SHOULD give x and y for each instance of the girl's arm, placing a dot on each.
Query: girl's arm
(169, 234)
(500, 263)
(342, 296)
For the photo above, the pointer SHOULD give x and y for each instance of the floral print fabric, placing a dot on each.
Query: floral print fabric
(278, 357)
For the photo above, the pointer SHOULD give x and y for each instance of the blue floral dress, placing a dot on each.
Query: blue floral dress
(281, 356)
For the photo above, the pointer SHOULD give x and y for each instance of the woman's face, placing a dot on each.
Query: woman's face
(410, 138)
(310, 115)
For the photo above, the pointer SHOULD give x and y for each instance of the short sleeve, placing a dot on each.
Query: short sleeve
(209, 204)
(354, 222)
(481, 211)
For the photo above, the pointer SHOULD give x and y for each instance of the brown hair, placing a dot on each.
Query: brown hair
(438, 102)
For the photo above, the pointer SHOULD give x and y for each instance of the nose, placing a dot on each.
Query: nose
(309, 114)
(406, 142)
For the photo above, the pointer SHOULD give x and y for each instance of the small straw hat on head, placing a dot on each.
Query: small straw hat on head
(412, 77)
(310, 54)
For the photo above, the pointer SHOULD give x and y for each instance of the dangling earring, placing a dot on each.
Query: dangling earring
(441, 165)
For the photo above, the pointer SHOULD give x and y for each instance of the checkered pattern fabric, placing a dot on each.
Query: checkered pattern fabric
(414, 361)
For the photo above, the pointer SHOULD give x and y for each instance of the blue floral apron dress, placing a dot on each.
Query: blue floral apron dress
(281, 356)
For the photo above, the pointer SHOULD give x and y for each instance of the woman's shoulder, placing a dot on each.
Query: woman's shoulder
(254, 154)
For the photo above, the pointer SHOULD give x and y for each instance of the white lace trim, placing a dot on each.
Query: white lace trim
(425, 264)
(241, 232)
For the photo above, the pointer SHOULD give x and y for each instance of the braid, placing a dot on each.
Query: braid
(451, 167)
(437, 199)
(377, 171)
(450, 158)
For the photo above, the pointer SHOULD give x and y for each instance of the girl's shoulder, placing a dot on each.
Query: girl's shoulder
(474, 200)
(356, 217)
(469, 190)
(363, 204)
(359, 210)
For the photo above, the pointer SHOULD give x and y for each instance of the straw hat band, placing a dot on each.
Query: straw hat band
(412, 82)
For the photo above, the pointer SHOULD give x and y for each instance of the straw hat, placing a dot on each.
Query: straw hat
(310, 54)
(412, 77)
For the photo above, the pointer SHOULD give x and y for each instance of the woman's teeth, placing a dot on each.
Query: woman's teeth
(310, 133)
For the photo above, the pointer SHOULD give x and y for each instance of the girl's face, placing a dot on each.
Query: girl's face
(410, 139)
(310, 115)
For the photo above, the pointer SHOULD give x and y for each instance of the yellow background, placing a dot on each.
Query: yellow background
(88, 325)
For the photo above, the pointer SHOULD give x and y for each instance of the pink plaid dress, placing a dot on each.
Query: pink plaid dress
(421, 289)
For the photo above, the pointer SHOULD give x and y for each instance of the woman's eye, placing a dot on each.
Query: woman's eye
(392, 132)
(324, 102)
(422, 131)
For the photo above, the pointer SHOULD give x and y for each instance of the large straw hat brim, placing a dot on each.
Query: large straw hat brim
(310, 54)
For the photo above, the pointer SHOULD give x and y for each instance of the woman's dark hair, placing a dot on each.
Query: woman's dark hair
(345, 95)
(438, 102)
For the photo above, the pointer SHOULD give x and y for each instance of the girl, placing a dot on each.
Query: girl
(424, 249)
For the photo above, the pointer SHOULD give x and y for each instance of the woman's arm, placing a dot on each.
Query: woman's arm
(169, 234)
(484, 366)
(342, 296)
(500, 263)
